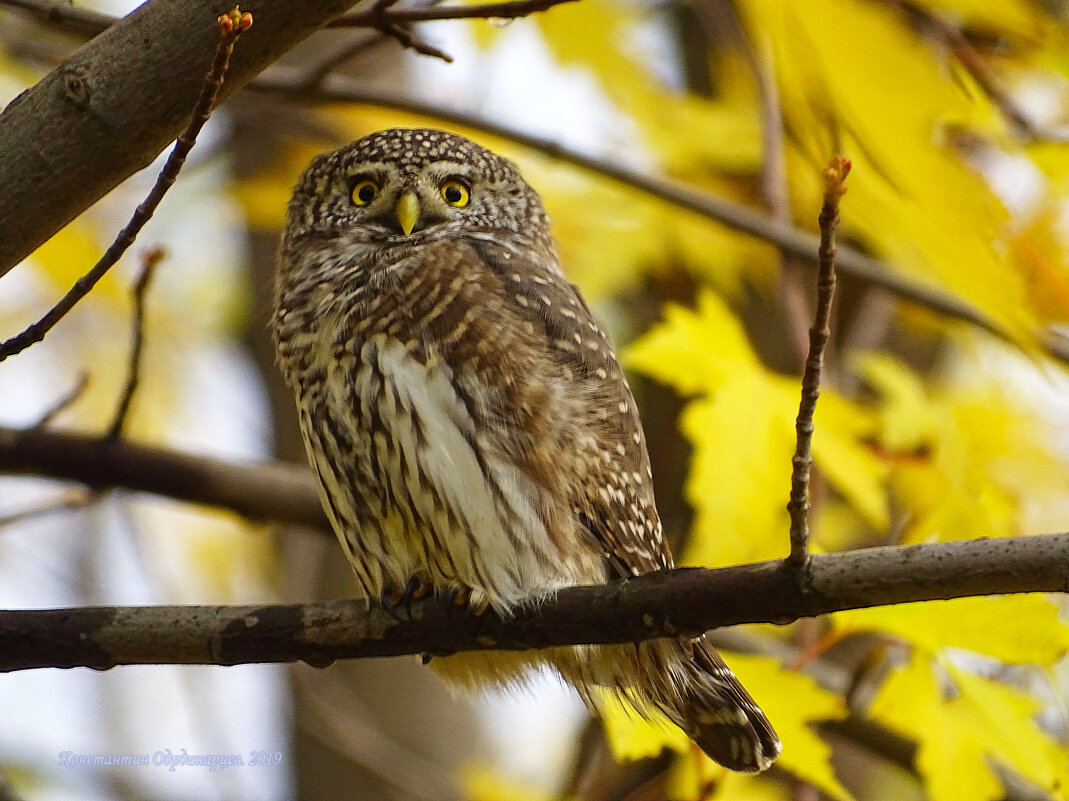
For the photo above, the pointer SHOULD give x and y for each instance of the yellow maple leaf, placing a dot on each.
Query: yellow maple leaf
(694, 350)
(970, 458)
(742, 428)
(632, 736)
(792, 701)
(739, 787)
(1015, 629)
(913, 197)
(959, 735)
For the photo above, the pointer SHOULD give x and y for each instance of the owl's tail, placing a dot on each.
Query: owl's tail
(691, 685)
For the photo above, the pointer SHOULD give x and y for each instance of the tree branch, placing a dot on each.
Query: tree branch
(149, 261)
(374, 18)
(685, 601)
(819, 333)
(45, 181)
(110, 108)
(63, 15)
(274, 491)
(230, 25)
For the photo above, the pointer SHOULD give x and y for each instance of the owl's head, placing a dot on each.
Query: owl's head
(406, 186)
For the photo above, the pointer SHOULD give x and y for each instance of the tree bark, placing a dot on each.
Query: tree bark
(273, 491)
(113, 106)
(686, 601)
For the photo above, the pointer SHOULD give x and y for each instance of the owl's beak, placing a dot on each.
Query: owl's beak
(407, 211)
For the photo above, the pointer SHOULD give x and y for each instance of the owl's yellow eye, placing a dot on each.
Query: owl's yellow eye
(455, 193)
(364, 191)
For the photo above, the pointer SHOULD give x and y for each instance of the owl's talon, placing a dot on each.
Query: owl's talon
(461, 607)
(452, 598)
(389, 599)
(393, 600)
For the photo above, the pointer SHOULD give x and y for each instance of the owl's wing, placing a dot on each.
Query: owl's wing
(614, 499)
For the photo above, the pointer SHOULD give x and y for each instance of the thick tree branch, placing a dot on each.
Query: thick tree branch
(115, 104)
(683, 601)
(63, 15)
(269, 492)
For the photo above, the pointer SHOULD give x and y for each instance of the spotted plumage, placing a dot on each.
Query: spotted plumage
(467, 418)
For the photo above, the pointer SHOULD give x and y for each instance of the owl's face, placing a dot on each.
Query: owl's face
(409, 186)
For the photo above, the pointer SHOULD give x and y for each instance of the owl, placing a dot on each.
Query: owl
(470, 427)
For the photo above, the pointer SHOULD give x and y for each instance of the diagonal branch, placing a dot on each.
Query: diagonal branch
(374, 17)
(231, 25)
(290, 82)
(111, 107)
(679, 602)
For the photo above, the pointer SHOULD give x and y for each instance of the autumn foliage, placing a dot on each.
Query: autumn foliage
(955, 115)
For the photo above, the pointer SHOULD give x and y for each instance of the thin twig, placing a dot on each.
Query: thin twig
(148, 266)
(681, 602)
(802, 462)
(373, 17)
(75, 392)
(724, 16)
(387, 22)
(231, 25)
(409, 39)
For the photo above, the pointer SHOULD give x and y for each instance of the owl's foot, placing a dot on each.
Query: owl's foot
(394, 600)
(471, 603)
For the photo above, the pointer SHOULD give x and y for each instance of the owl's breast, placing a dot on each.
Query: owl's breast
(420, 485)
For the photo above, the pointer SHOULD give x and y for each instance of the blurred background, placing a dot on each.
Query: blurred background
(956, 117)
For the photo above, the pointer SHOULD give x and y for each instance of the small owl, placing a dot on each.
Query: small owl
(466, 417)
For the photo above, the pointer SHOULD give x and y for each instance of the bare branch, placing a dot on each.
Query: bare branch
(510, 10)
(116, 103)
(75, 392)
(819, 333)
(90, 23)
(409, 39)
(974, 64)
(229, 30)
(670, 603)
(133, 378)
(268, 492)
